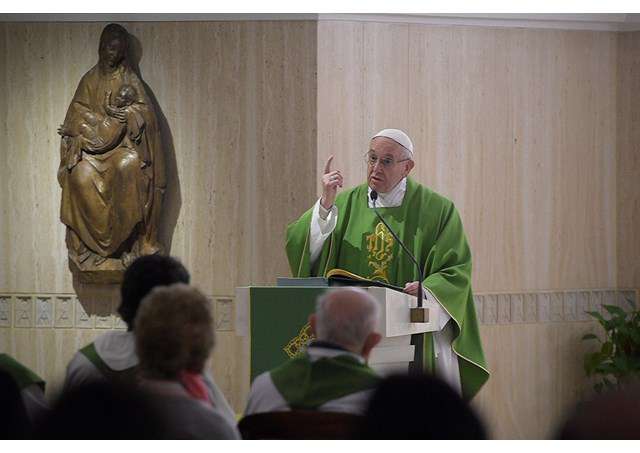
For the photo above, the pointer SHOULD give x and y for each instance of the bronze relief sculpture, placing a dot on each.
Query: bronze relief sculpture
(111, 167)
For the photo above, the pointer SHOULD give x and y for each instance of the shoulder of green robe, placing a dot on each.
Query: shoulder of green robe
(127, 375)
(424, 196)
(23, 376)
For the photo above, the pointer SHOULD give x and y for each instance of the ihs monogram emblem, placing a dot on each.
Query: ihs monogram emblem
(380, 246)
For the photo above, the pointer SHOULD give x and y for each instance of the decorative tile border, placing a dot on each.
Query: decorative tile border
(23, 311)
(548, 306)
(59, 311)
(5, 311)
(223, 313)
(44, 311)
(47, 311)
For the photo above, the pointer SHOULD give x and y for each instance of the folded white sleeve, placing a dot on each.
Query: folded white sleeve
(447, 367)
(321, 229)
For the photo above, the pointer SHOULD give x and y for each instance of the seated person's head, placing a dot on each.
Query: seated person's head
(614, 414)
(126, 95)
(419, 407)
(174, 332)
(347, 317)
(144, 274)
(101, 410)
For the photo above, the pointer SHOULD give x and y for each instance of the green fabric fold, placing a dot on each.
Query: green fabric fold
(23, 376)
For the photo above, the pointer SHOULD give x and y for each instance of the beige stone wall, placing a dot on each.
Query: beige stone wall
(518, 127)
(628, 164)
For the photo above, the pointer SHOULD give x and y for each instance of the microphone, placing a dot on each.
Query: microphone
(374, 197)
(418, 314)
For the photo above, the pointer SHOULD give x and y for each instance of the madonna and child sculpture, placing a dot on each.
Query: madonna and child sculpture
(111, 167)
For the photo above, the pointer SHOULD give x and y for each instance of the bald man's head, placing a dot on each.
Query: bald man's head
(348, 318)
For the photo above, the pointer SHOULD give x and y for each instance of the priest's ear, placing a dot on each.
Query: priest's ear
(312, 323)
(409, 164)
(372, 340)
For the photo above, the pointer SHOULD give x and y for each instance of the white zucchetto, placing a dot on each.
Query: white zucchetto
(397, 136)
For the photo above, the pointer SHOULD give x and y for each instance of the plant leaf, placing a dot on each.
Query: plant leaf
(615, 310)
(590, 336)
(607, 348)
(591, 361)
(598, 316)
(621, 363)
(607, 368)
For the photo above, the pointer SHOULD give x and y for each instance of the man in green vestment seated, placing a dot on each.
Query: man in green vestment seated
(332, 374)
(341, 231)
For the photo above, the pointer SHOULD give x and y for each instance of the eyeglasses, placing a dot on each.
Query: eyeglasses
(387, 162)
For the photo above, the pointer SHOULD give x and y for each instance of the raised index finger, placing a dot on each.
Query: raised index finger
(327, 166)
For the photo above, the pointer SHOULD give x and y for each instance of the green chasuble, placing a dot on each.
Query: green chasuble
(306, 384)
(430, 227)
(23, 376)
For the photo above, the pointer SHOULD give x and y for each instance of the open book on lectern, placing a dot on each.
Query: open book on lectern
(336, 277)
(340, 277)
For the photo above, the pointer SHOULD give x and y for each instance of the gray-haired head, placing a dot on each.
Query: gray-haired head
(174, 331)
(346, 317)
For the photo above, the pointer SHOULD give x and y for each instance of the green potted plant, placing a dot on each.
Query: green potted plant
(617, 363)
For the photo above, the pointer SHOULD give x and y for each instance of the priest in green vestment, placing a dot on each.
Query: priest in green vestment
(341, 231)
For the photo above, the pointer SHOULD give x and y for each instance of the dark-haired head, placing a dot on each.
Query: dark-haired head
(419, 407)
(144, 274)
(102, 410)
(608, 416)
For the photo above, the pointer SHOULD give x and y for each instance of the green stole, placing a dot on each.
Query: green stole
(430, 227)
(306, 384)
(23, 376)
(124, 376)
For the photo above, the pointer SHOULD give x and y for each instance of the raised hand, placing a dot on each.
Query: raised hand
(331, 180)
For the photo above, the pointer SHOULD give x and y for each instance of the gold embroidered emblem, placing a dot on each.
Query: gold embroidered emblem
(380, 246)
(298, 343)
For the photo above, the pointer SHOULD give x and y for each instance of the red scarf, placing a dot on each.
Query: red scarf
(195, 386)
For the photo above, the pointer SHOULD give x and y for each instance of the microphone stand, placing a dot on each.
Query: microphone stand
(417, 366)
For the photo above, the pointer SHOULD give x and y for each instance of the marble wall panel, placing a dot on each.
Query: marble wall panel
(497, 117)
(628, 163)
(536, 377)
